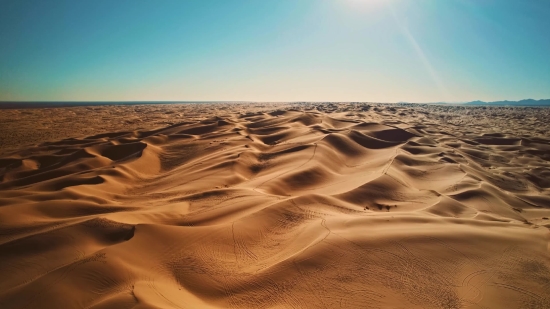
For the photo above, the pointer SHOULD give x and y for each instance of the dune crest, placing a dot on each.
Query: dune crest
(280, 206)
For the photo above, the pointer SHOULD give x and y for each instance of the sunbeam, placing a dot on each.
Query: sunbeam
(422, 56)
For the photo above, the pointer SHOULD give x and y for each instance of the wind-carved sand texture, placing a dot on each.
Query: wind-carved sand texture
(275, 206)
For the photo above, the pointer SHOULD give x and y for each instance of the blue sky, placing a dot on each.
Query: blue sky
(275, 50)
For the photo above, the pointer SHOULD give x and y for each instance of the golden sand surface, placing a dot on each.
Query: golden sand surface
(265, 205)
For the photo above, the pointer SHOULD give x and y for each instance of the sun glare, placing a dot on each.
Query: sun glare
(366, 4)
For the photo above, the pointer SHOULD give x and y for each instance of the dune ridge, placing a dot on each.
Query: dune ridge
(278, 206)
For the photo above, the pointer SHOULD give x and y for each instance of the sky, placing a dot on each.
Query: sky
(274, 50)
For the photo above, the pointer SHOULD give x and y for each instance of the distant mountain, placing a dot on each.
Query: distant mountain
(528, 102)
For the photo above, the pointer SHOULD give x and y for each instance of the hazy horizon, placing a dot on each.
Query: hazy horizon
(275, 51)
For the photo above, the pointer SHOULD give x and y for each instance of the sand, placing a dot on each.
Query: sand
(275, 206)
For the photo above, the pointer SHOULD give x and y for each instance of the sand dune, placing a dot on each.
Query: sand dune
(275, 206)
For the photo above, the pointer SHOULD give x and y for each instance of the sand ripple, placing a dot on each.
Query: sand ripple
(304, 206)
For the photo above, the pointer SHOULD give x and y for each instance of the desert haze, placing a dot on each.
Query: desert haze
(264, 205)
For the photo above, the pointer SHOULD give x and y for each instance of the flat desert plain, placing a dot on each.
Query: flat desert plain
(302, 205)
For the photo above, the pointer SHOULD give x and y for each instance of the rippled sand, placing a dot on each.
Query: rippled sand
(275, 206)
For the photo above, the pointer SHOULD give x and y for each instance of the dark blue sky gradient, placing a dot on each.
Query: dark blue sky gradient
(275, 50)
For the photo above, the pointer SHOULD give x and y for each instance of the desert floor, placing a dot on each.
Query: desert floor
(305, 205)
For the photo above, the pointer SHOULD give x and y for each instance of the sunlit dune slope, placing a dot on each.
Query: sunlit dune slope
(281, 206)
